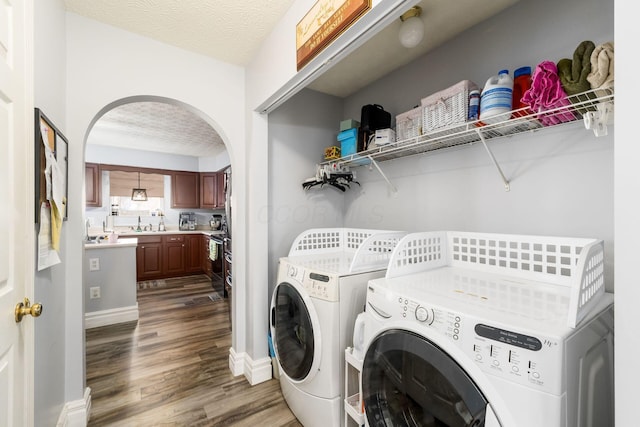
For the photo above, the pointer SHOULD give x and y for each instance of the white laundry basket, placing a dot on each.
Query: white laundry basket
(371, 248)
(573, 263)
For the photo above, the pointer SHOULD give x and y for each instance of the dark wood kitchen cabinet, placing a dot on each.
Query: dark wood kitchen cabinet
(185, 190)
(93, 184)
(170, 255)
(149, 257)
(212, 190)
(193, 243)
(174, 255)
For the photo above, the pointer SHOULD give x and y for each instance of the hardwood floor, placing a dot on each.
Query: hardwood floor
(170, 368)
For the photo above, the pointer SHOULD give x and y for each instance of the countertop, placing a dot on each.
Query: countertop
(132, 233)
(105, 244)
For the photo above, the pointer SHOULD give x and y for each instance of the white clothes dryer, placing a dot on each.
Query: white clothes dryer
(321, 289)
(471, 329)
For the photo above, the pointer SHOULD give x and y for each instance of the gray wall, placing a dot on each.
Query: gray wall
(561, 178)
(51, 340)
(299, 131)
(116, 278)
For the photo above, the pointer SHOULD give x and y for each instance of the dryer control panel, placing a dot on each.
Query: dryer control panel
(532, 361)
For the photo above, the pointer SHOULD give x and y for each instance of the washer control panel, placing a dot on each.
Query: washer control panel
(529, 360)
(318, 285)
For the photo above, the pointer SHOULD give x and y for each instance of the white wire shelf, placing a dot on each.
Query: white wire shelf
(591, 108)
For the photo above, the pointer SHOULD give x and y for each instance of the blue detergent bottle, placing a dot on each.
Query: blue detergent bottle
(496, 98)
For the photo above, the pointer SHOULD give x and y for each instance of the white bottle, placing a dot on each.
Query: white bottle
(496, 98)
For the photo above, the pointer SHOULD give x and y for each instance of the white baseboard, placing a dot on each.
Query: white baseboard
(76, 413)
(96, 319)
(256, 371)
(236, 362)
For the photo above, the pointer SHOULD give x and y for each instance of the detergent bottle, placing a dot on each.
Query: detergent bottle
(521, 83)
(496, 98)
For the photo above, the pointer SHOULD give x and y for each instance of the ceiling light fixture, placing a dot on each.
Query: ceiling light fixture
(412, 28)
(139, 194)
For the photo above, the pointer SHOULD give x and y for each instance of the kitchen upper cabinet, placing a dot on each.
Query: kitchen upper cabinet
(212, 190)
(220, 194)
(185, 190)
(149, 257)
(93, 182)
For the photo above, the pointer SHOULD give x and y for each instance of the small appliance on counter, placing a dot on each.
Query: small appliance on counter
(187, 221)
(215, 222)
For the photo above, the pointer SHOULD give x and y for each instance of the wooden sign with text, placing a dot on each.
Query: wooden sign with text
(326, 20)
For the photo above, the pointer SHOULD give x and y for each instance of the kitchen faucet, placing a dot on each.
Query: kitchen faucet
(139, 228)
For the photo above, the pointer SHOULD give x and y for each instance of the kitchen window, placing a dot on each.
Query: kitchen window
(121, 185)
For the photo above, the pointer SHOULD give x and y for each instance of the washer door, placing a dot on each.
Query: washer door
(409, 381)
(295, 332)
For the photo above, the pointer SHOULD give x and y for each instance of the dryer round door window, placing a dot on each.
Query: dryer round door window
(409, 381)
(293, 332)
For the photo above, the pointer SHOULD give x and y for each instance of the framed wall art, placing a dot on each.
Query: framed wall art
(326, 20)
(51, 167)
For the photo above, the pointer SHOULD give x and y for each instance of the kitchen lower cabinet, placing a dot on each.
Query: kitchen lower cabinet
(174, 251)
(174, 255)
(149, 258)
(193, 256)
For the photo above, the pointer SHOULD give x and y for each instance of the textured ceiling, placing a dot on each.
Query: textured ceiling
(228, 30)
(232, 31)
(159, 127)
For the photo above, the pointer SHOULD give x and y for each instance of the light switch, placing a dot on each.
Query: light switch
(94, 264)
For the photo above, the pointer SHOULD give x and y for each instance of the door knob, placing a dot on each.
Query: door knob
(24, 308)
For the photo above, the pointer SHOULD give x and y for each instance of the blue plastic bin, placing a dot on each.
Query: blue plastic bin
(348, 141)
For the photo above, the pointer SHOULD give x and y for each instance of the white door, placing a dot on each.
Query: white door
(16, 214)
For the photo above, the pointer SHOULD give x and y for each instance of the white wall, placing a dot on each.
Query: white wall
(627, 212)
(146, 159)
(59, 340)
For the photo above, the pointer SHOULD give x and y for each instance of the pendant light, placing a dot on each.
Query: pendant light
(412, 28)
(139, 194)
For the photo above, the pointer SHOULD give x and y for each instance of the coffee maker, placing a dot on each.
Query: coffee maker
(187, 221)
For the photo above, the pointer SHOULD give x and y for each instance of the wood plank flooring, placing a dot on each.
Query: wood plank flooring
(170, 368)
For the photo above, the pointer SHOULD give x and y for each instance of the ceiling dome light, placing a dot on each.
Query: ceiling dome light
(412, 28)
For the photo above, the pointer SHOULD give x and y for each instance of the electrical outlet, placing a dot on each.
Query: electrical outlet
(94, 264)
(94, 292)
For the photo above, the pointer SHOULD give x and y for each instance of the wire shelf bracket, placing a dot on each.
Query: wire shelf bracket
(507, 186)
(374, 163)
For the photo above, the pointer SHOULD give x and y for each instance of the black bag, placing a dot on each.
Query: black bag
(374, 117)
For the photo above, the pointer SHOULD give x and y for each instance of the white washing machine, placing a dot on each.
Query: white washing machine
(321, 289)
(471, 329)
